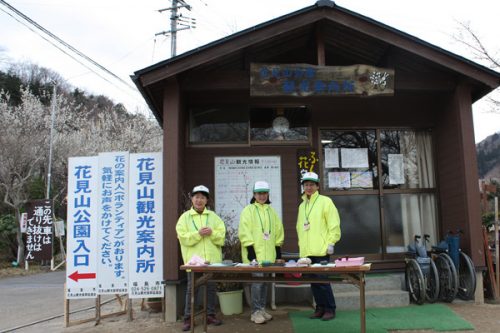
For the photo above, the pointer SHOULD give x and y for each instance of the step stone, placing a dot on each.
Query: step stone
(373, 299)
(385, 290)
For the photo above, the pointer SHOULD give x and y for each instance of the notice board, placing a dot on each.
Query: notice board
(234, 180)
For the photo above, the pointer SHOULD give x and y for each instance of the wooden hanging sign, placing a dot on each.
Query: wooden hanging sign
(302, 80)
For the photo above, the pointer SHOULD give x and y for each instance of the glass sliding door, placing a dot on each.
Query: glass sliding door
(350, 178)
(383, 184)
(408, 187)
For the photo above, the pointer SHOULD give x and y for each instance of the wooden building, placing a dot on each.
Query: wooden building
(383, 117)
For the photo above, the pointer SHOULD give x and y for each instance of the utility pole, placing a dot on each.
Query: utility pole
(175, 21)
(173, 29)
(51, 138)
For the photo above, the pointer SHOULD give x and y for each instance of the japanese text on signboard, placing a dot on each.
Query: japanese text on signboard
(309, 80)
(146, 266)
(39, 230)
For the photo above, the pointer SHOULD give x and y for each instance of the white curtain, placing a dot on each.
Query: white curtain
(418, 211)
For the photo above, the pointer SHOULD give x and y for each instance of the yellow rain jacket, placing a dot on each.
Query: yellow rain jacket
(256, 220)
(208, 247)
(324, 225)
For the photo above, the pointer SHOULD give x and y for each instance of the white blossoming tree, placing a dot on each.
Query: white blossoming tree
(78, 131)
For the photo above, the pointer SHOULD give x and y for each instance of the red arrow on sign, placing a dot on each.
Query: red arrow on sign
(75, 276)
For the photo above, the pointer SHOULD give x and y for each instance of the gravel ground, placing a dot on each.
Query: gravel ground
(484, 317)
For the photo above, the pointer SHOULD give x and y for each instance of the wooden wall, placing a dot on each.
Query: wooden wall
(458, 174)
(448, 115)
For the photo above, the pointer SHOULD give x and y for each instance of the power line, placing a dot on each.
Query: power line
(58, 47)
(62, 42)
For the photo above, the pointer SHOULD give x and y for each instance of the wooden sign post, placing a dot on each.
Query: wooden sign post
(497, 252)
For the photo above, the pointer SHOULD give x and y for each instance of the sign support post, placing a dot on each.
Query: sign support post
(497, 251)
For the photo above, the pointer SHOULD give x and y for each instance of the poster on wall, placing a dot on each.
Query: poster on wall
(331, 158)
(354, 157)
(396, 169)
(362, 179)
(339, 179)
(234, 180)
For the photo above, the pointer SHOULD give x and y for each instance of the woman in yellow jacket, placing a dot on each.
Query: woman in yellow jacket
(201, 232)
(318, 229)
(261, 235)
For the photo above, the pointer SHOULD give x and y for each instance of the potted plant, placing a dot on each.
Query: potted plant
(231, 293)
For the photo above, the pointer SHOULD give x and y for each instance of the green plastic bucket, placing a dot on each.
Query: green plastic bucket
(231, 302)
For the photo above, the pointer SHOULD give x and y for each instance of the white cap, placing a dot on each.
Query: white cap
(261, 186)
(311, 176)
(200, 188)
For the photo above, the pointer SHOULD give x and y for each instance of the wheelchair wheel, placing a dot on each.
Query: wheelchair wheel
(414, 281)
(432, 288)
(467, 278)
(448, 278)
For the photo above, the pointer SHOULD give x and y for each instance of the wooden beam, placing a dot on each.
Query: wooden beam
(172, 179)
(320, 44)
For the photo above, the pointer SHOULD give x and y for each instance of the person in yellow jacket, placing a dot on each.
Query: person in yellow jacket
(318, 230)
(201, 232)
(261, 235)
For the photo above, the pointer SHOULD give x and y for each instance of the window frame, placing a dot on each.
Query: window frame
(249, 142)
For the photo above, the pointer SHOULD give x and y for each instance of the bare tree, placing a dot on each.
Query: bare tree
(474, 43)
(23, 132)
(81, 129)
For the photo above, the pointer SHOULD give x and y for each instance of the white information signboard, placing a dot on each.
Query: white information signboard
(396, 169)
(23, 222)
(146, 225)
(340, 179)
(112, 240)
(234, 180)
(354, 157)
(81, 260)
(332, 158)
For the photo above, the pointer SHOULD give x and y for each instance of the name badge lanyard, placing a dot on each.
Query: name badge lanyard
(194, 224)
(306, 223)
(267, 235)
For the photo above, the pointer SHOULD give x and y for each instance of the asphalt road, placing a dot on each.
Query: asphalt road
(27, 299)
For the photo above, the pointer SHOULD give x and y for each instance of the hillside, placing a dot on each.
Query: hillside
(488, 157)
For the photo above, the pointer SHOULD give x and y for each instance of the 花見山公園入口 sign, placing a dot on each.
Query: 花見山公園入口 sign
(81, 260)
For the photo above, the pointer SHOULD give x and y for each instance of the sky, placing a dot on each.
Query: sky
(120, 35)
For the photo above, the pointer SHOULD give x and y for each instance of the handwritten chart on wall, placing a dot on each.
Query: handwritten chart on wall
(234, 180)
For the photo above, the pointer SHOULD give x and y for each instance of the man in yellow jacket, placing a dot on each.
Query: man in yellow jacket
(261, 235)
(318, 229)
(201, 232)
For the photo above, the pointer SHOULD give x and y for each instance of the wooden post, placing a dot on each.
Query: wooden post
(320, 45)
(66, 308)
(489, 263)
(497, 252)
(129, 309)
(98, 309)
